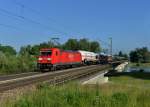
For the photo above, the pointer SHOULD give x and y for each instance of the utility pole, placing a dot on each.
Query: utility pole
(55, 40)
(110, 46)
(108, 50)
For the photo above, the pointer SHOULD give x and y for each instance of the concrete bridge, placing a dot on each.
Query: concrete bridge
(116, 63)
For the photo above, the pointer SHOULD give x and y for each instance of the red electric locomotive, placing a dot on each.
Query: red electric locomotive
(52, 58)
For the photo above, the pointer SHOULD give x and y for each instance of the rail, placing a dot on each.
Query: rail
(52, 77)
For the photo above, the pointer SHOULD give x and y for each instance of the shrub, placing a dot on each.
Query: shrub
(16, 63)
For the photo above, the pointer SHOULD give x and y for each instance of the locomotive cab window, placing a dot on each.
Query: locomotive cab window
(46, 53)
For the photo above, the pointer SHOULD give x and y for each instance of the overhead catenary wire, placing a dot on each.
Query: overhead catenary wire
(18, 29)
(8, 26)
(44, 26)
(13, 16)
(35, 12)
(40, 14)
(46, 17)
(103, 42)
(23, 18)
(32, 10)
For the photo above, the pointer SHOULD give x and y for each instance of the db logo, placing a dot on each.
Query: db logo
(71, 56)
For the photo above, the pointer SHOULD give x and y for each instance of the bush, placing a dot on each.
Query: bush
(16, 63)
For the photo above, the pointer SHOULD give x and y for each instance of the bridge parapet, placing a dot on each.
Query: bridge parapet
(116, 63)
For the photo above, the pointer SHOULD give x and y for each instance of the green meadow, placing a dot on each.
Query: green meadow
(122, 90)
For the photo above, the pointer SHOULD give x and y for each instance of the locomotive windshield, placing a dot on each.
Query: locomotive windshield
(45, 53)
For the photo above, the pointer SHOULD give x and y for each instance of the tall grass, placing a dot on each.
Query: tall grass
(16, 63)
(74, 95)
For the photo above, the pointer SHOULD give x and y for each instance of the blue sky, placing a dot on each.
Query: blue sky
(126, 21)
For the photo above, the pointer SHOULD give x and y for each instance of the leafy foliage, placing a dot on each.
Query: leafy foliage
(14, 64)
(82, 44)
(10, 62)
(71, 44)
(140, 55)
(8, 50)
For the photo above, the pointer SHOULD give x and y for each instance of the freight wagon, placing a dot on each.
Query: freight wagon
(88, 57)
(104, 59)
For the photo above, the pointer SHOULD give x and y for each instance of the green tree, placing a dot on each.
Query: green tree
(34, 50)
(84, 44)
(25, 49)
(120, 54)
(95, 46)
(8, 50)
(140, 55)
(71, 44)
(123, 55)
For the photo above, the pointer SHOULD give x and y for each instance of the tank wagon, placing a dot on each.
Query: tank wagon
(53, 58)
(88, 57)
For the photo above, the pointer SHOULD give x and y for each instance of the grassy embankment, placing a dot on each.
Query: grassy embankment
(123, 90)
(139, 64)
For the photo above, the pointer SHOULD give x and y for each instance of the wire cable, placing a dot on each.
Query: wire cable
(30, 21)
(42, 15)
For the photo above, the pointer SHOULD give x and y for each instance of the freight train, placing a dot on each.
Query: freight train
(55, 58)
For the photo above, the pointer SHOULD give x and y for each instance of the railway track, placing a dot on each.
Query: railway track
(19, 75)
(50, 77)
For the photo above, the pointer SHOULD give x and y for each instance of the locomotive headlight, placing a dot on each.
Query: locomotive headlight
(40, 59)
(49, 59)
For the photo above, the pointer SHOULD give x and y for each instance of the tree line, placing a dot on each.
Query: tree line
(71, 44)
(140, 55)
